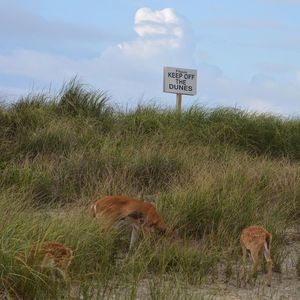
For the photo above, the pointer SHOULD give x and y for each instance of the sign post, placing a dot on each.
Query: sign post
(180, 82)
(178, 102)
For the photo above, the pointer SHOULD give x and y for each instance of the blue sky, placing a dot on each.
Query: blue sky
(247, 53)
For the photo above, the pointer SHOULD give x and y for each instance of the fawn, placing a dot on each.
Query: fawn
(254, 239)
(49, 254)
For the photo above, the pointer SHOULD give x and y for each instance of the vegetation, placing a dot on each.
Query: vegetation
(212, 172)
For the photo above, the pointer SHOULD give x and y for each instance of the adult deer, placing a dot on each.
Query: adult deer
(139, 214)
(254, 239)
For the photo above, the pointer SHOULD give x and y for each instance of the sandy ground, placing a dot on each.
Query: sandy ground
(285, 285)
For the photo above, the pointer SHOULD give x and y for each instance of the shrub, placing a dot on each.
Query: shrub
(76, 100)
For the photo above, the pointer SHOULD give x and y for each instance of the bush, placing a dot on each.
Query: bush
(76, 100)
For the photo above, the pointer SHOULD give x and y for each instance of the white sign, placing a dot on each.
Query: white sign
(180, 81)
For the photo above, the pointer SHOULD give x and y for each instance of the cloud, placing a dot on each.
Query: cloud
(261, 93)
(161, 22)
(129, 80)
(21, 27)
(158, 32)
(266, 93)
(164, 16)
(36, 65)
(248, 24)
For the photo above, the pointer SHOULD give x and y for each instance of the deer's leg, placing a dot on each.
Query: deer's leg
(146, 230)
(62, 266)
(134, 235)
(64, 274)
(244, 253)
(243, 270)
(267, 255)
(254, 254)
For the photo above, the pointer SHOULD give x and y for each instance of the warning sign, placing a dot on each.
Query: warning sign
(180, 81)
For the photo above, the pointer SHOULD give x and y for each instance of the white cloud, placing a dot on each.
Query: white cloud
(128, 79)
(158, 32)
(36, 65)
(164, 16)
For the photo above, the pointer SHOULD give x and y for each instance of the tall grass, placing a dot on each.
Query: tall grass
(212, 172)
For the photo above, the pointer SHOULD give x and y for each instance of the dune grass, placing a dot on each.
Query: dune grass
(212, 173)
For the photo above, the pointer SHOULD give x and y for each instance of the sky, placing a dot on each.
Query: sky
(246, 53)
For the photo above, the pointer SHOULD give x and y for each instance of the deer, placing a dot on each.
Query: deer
(141, 215)
(255, 238)
(48, 254)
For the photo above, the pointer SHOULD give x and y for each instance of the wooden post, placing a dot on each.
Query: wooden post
(178, 102)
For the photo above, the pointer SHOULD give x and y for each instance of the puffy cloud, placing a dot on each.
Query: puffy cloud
(160, 22)
(164, 16)
(158, 32)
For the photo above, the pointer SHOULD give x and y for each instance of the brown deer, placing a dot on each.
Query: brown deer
(49, 254)
(254, 239)
(139, 214)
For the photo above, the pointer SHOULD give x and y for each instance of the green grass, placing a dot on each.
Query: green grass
(212, 172)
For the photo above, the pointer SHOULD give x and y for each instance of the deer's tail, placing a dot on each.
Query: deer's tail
(93, 210)
(268, 242)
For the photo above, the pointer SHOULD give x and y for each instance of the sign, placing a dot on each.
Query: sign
(180, 81)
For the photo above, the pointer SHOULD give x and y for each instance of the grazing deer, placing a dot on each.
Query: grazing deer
(254, 239)
(49, 254)
(139, 214)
